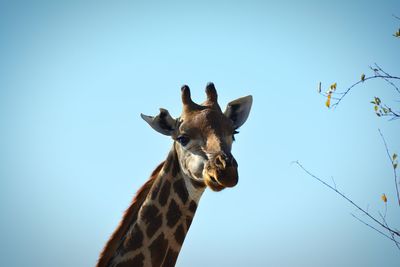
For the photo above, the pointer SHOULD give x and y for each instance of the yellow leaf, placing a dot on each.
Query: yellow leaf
(384, 198)
(333, 86)
(328, 101)
(376, 108)
(362, 77)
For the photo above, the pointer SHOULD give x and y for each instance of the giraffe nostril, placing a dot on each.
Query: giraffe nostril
(220, 162)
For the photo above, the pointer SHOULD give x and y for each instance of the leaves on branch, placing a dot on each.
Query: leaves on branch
(329, 93)
(383, 110)
(333, 98)
(328, 101)
(397, 34)
(384, 198)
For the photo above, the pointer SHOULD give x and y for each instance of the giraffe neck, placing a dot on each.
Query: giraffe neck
(155, 234)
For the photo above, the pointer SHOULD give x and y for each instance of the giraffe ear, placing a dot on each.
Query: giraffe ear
(238, 110)
(162, 123)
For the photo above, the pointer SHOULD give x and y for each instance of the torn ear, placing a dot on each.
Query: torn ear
(162, 123)
(238, 110)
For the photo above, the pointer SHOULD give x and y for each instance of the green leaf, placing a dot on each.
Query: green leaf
(394, 157)
(395, 165)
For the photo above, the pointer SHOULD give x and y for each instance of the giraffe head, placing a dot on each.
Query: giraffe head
(203, 137)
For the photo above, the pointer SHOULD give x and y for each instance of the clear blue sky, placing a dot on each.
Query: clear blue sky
(74, 77)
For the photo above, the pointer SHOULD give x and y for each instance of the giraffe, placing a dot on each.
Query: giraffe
(154, 227)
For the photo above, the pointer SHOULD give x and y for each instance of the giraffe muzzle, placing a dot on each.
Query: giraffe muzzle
(223, 172)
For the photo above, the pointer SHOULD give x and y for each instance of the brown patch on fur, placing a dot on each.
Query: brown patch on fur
(175, 166)
(129, 217)
(158, 250)
(173, 214)
(181, 191)
(172, 162)
(188, 222)
(137, 261)
(197, 184)
(135, 240)
(170, 258)
(156, 189)
(164, 193)
(152, 218)
(168, 162)
(180, 234)
(193, 206)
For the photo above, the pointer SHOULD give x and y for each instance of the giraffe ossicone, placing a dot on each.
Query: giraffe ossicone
(154, 227)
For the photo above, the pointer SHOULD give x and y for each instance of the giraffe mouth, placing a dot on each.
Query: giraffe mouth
(213, 179)
(213, 184)
(218, 179)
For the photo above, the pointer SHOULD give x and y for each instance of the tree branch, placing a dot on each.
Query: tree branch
(386, 77)
(391, 234)
(380, 232)
(394, 170)
(348, 200)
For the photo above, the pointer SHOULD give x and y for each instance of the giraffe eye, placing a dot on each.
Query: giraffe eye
(183, 140)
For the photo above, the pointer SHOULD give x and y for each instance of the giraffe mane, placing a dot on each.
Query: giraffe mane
(130, 215)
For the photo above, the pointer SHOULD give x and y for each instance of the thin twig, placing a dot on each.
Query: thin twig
(348, 199)
(394, 170)
(384, 216)
(367, 224)
(380, 232)
(391, 234)
(333, 180)
(388, 75)
(380, 69)
(391, 112)
(332, 97)
(361, 81)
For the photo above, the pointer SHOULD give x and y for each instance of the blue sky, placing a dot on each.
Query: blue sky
(75, 75)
